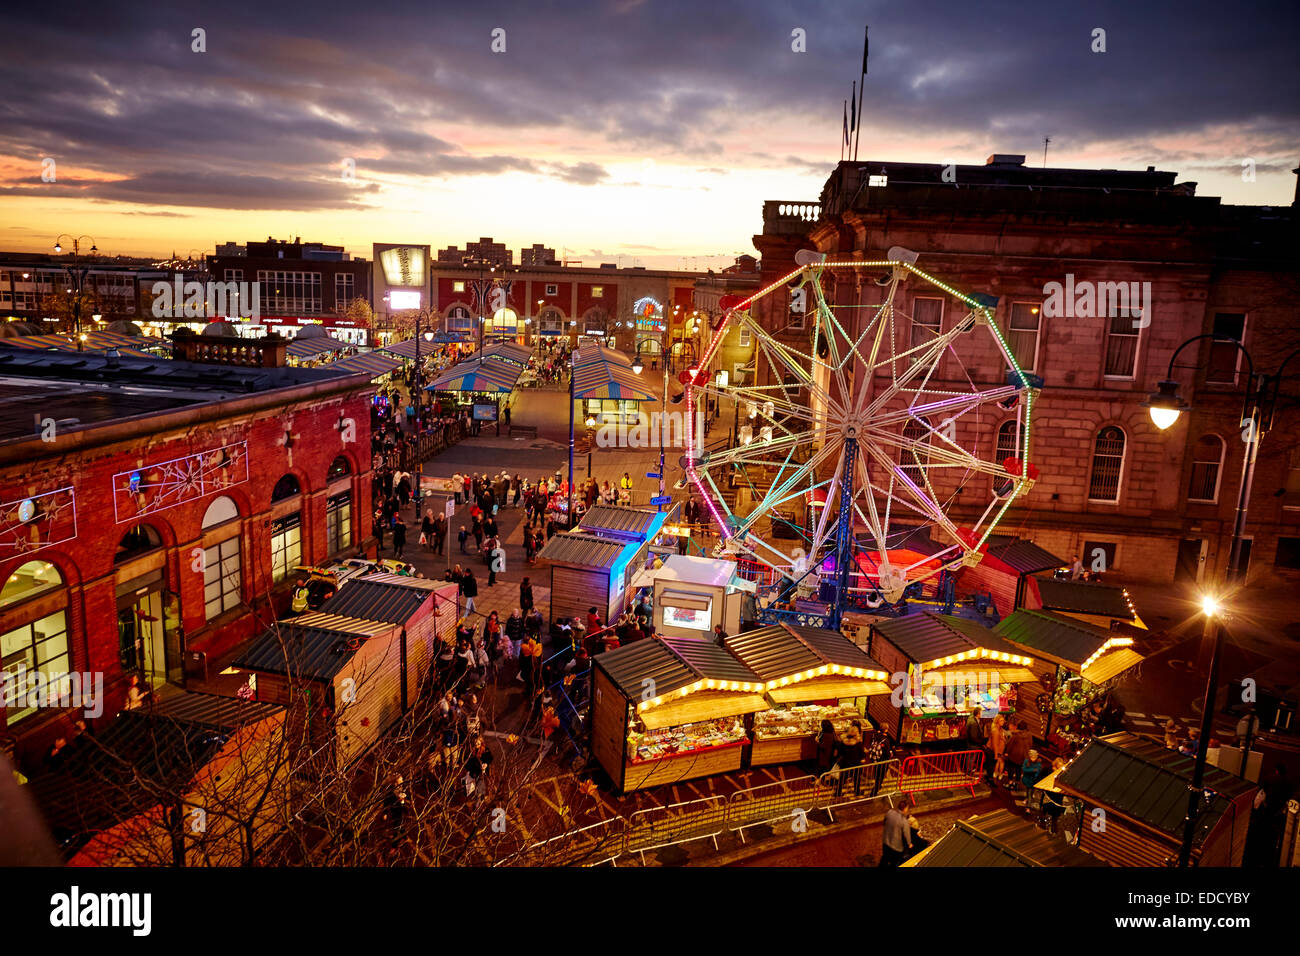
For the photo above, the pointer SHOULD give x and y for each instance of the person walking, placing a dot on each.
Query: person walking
(469, 588)
(998, 746)
(827, 743)
(399, 535)
(457, 487)
(879, 754)
(440, 534)
(514, 632)
(379, 530)
(462, 537)
(850, 759)
(526, 596)
(426, 531)
(895, 837)
(478, 534)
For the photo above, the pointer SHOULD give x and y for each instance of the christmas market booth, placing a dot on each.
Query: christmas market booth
(670, 709)
(1000, 838)
(952, 666)
(1075, 661)
(1141, 787)
(693, 595)
(1087, 601)
(1005, 572)
(809, 675)
(595, 565)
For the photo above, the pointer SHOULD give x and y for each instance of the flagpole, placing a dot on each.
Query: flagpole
(844, 133)
(861, 89)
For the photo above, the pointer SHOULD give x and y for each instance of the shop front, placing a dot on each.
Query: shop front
(943, 667)
(670, 709)
(692, 596)
(809, 675)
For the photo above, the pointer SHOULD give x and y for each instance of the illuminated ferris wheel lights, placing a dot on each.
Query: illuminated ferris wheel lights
(746, 434)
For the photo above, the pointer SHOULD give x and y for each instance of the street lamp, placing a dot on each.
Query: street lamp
(591, 440)
(1196, 793)
(637, 367)
(78, 275)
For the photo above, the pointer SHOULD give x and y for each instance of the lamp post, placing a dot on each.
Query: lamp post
(416, 388)
(591, 440)
(1258, 408)
(78, 274)
(572, 401)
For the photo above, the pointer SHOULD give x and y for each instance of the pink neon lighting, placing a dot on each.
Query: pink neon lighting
(691, 473)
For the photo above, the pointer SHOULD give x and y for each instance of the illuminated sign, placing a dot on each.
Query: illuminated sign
(403, 265)
(404, 299)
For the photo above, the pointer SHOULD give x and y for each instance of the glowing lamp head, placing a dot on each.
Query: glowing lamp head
(1164, 405)
(591, 421)
(637, 365)
(1209, 605)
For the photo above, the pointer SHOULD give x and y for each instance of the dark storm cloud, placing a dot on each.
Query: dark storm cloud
(265, 117)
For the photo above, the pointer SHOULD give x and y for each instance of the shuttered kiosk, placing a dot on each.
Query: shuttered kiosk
(670, 709)
(342, 676)
(952, 665)
(809, 675)
(588, 570)
(1074, 659)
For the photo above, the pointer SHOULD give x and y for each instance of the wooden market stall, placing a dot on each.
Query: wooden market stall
(809, 675)
(1087, 601)
(952, 665)
(426, 610)
(1142, 787)
(1005, 572)
(1074, 660)
(343, 677)
(591, 570)
(670, 709)
(1000, 838)
(693, 595)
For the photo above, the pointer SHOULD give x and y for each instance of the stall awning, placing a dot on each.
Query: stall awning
(307, 347)
(992, 671)
(373, 364)
(486, 375)
(406, 348)
(508, 351)
(1111, 664)
(135, 345)
(703, 706)
(1099, 654)
(829, 688)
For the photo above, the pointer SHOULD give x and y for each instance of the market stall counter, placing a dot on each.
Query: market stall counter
(952, 665)
(670, 709)
(809, 675)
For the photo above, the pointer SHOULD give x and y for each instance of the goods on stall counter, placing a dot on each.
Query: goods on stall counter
(671, 741)
(803, 721)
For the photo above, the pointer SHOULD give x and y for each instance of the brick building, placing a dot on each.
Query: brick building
(34, 288)
(485, 250)
(1158, 506)
(300, 283)
(154, 509)
(537, 255)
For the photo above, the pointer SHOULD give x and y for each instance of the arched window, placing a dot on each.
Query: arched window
(1107, 465)
(338, 468)
(140, 540)
(458, 319)
(222, 561)
(551, 321)
(1207, 462)
(37, 639)
(915, 454)
(286, 487)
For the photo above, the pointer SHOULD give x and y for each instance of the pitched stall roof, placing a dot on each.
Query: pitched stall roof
(585, 550)
(1001, 838)
(315, 646)
(618, 519)
(1021, 555)
(380, 597)
(928, 638)
(1146, 782)
(489, 374)
(315, 345)
(95, 342)
(786, 651)
(1071, 642)
(372, 363)
(1084, 597)
(508, 351)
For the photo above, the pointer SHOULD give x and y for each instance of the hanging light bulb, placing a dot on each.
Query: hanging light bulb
(746, 434)
(765, 433)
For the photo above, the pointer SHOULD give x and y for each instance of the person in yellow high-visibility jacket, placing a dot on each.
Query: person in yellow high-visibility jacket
(300, 596)
(625, 482)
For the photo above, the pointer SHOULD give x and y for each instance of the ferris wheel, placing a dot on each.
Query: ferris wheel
(900, 433)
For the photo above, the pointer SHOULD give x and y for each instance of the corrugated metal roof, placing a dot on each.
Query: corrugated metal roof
(630, 665)
(1064, 638)
(213, 710)
(312, 646)
(1084, 597)
(772, 652)
(379, 597)
(834, 648)
(374, 363)
(305, 348)
(927, 636)
(1147, 782)
(1023, 555)
(617, 518)
(1002, 838)
(573, 547)
(489, 374)
(708, 659)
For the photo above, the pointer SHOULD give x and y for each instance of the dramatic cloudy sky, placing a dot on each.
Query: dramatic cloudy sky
(647, 129)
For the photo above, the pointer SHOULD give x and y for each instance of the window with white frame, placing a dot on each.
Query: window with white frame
(598, 292)
(345, 289)
(1207, 463)
(458, 285)
(338, 522)
(927, 320)
(286, 546)
(552, 288)
(221, 568)
(458, 319)
(1022, 334)
(1107, 465)
(744, 336)
(1225, 356)
(290, 293)
(1122, 335)
(32, 644)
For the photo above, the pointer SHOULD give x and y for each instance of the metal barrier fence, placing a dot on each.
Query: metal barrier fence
(771, 802)
(946, 771)
(659, 827)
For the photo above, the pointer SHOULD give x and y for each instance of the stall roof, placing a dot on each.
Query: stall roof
(510, 351)
(372, 363)
(1055, 636)
(1002, 838)
(381, 597)
(312, 646)
(406, 348)
(587, 550)
(928, 636)
(620, 519)
(692, 570)
(1022, 555)
(672, 663)
(306, 347)
(783, 649)
(488, 374)
(1084, 597)
(1144, 780)
(708, 659)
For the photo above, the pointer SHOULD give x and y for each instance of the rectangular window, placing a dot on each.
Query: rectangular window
(41, 646)
(1122, 345)
(458, 286)
(221, 567)
(1022, 334)
(552, 289)
(234, 275)
(1098, 556)
(1225, 357)
(1288, 554)
(344, 289)
(338, 522)
(927, 319)
(746, 338)
(286, 546)
(598, 292)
